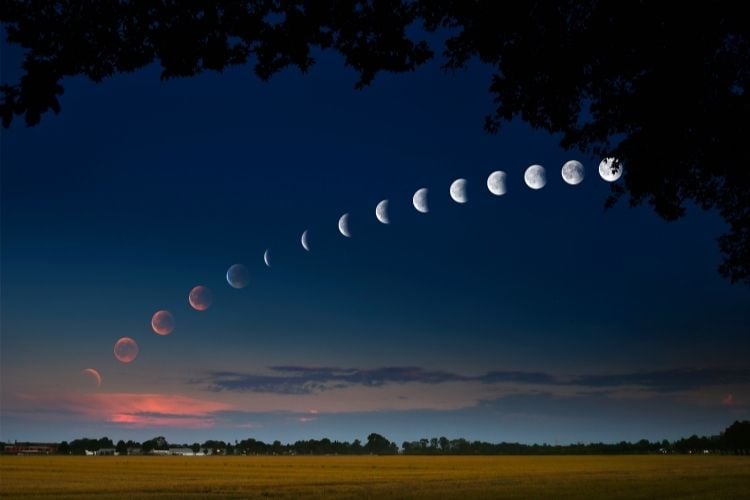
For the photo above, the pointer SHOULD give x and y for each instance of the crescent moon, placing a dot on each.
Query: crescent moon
(458, 191)
(610, 169)
(303, 240)
(496, 183)
(267, 257)
(381, 212)
(95, 374)
(572, 172)
(419, 200)
(238, 276)
(535, 177)
(344, 225)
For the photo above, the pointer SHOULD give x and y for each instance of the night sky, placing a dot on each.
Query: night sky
(536, 316)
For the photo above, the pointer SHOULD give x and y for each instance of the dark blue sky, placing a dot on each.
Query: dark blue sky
(141, 189)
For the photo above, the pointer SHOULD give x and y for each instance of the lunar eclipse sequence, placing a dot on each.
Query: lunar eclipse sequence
(200, 297)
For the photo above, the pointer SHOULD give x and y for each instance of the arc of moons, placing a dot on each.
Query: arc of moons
(200, 298)
(381, 212)
(267, 257)
(238, 276)
(458, 191)
(92, 372)
(162, 322)
(344, 225)
(126, 350)
(610, 169)
(419, 200)
(535, 177)
(304, 241)
(496, 183)
(572, 172)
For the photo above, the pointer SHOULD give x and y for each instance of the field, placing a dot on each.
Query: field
(376, 477)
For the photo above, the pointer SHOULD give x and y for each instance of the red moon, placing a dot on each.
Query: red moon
(162, 322)
(126, 350)
(200, 298)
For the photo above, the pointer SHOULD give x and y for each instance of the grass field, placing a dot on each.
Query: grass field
(376, 477)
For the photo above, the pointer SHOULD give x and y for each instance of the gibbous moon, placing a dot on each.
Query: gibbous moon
(535, 177)
(381, 212)
(344, 225)
(496, 183)
(162, 322)
(304, 241)
(200, 298)
(91, 372)
(267, 257)
(126, 350)
(238, 276)
(609, 171)
(458, 191)
(420, 200)
(572, 172)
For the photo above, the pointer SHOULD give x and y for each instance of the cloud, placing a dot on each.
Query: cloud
(680, 379)
(130, 409)
(294, 379)
(301, 380)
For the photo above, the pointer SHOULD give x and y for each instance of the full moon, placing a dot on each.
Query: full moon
(126, 350)
(381, 212)
(238, 276)
(94, 374)
(535, 177)
(572, 172)
(420, 200)
(610, 169)
(267, 257)
(200, 298)
(162, 322)
(344, 225)
(496, 183)
(458, 191)
(304, 241)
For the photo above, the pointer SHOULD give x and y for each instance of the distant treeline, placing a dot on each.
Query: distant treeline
(735, 439)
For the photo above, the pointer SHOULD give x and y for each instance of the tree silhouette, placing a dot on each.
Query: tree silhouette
(661, 88)
(121, 447)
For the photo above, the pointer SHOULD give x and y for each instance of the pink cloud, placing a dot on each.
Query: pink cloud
(133, 409)
(727, 400)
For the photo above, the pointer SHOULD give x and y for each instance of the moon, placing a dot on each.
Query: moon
(610, 169)
(238, 276)
(162, 322)
(267, 257)
(344, 225)
(200, 298)
(126, 350)
(92, 372)
(420, 200)
(458, 191)
(535, 177)
(381, 212)
(496, 183)
(304, 241)
(572, 172)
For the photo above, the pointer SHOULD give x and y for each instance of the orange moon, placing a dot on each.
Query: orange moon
(162, 322)
(200, 298)
(126, 350)
(91, 372)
